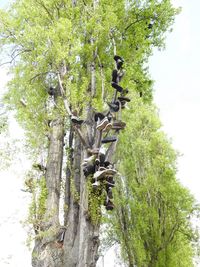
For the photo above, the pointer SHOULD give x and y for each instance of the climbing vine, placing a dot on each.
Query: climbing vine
(95, 200)
(37, 207)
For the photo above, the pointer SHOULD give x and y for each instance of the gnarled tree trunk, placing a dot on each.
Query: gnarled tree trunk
(81, 242)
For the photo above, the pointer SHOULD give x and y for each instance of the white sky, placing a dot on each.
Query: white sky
(177, 95)
(177, 92)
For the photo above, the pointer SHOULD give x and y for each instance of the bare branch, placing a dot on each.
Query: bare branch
(15, 56)
(85, 144)
(22, 101)
(38, 75)
(114, 43)
(5, 63)
(63, 95)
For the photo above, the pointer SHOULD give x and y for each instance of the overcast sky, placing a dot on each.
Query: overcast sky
(176, 72)
(177, 95)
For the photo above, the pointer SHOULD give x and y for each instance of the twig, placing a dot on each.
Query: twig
(37, 75)
(14, 57)
(8, 62)
(22, 101)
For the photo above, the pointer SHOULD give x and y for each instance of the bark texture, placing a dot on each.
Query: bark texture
(81, 242)
(82, 237)
(47, 251)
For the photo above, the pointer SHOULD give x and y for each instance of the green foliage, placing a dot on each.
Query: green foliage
(3, 123)
(9, 146)
(151, 220)
(95, 200)
(38, 204)
(42, 197)
(8, 150)
(44, 35)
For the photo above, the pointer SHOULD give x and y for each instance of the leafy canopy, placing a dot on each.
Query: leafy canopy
(40, 36)
(152, 220)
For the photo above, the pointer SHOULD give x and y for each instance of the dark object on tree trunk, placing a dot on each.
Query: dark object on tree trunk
(150, 26)
(119, 123)
(109, 193)
(123, 98)
(103, 173)
(106, 164)
(76, 120)
(51, 91)
(99, 116)
(119, 61)
(123, 104)
(102, 124)
(109, 139)
(109, 205)
(114, 107)
(118, 58)
(117, 75)
(107, 127)
(90, 169)
(117, 87)
(100, 160)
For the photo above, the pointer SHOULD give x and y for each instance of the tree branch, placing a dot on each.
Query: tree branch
(114, 43)
(66, 104)
(37, 75)
(45, 8)
(14, 57)
(63, 95)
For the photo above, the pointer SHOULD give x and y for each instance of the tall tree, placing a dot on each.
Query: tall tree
(152, 219)
(65, 48)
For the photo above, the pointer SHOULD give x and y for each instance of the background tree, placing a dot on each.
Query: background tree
(8, 145)
(152, 220)
(69, 46)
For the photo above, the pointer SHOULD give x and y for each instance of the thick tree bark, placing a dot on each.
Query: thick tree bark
(81, 238)
(54, 170)
(81, 242)
(47, 251)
